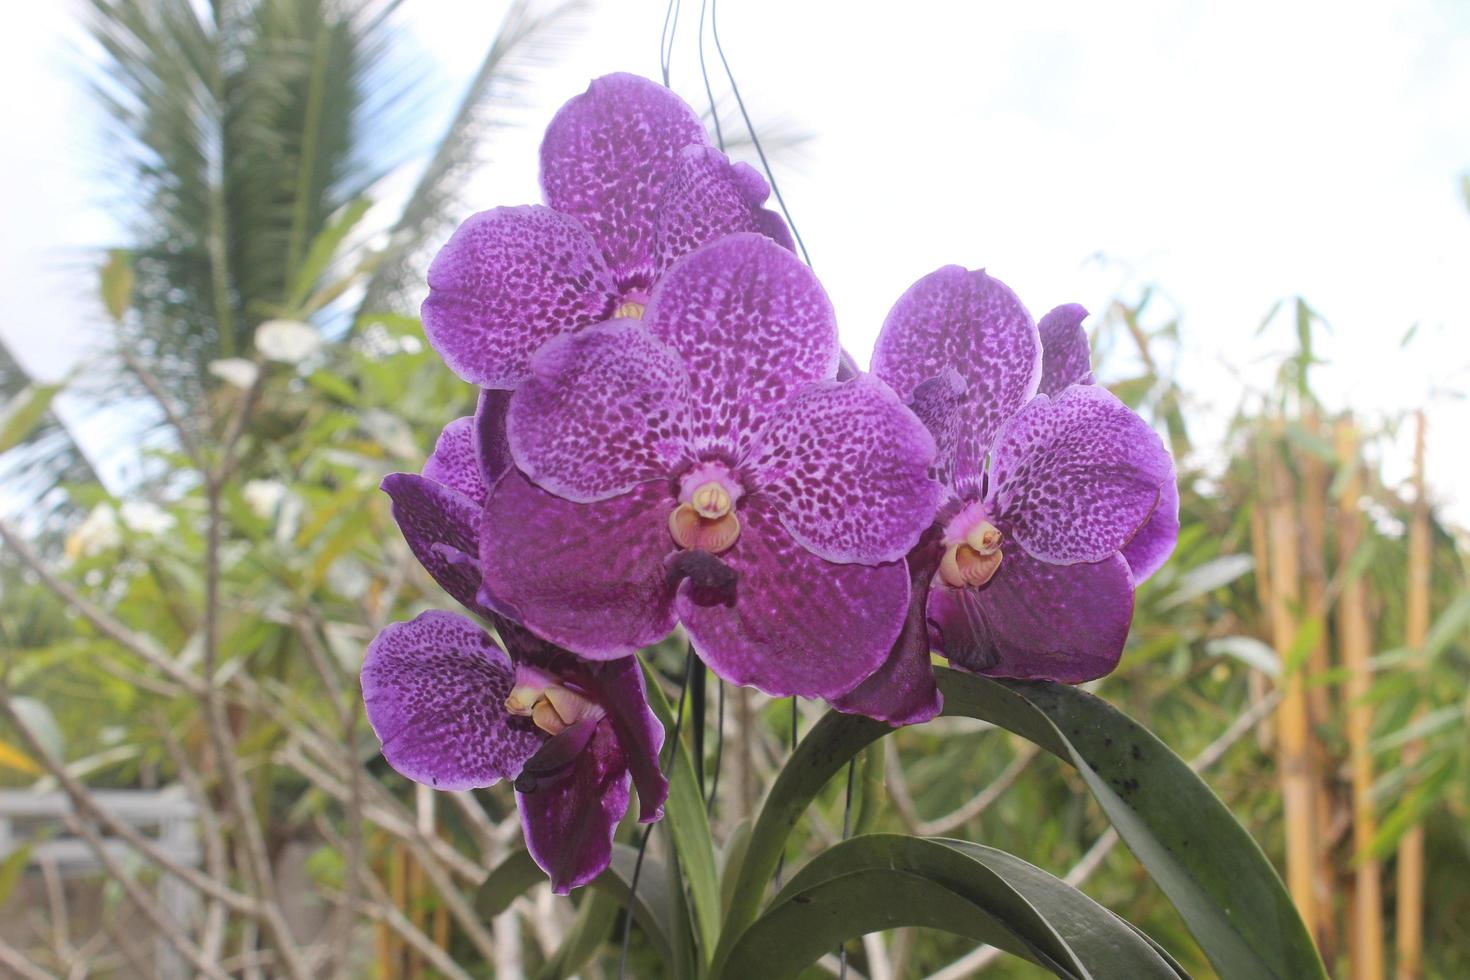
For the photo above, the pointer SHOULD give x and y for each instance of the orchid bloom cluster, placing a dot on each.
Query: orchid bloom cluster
(668, 433)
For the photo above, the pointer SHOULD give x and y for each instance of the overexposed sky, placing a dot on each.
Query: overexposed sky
(1231, 153)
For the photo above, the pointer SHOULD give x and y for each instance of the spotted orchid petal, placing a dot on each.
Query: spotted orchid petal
(1065, 356)
(1038, 621)
(845, 466)
(751, 325)
(588, 577)
(435, 689)
(939, 403)
(1074, 477)
(455, 462)
(902, 691)
(1147, 550)
(507, 281)
(606, 159)
(603, 410)
(968, 321)
(492, 446)
(705, 198)
(440, 525)
(796, 624)
(569, 820)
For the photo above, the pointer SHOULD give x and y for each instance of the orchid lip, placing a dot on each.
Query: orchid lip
(551, 706)
(705, 517)
(972, 551)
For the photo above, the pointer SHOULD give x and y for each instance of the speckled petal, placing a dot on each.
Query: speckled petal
(492, 447)
(976, 325)
(569, 823)
(798, 624)
(1154, 542)
(1074, 477)
(1065, 357)
(455, 463)
(604, 410)
(846, 467)
(902, 691)
(588, 577)
(752, 324)
(1037, 621)
(507, 281)
(435, 690)
(939, 404)
(705, 198)
(618, 686)
(441, 528)
(605, 159)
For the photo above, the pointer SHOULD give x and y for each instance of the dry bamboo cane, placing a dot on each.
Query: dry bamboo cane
(1355, 638)
(1260, 551)
(1314, 491)
(1410, 877)
(1294, 751)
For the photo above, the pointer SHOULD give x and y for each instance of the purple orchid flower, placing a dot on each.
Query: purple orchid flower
(455, 711)
(1048, 482)
(631, 184)
(703, 466)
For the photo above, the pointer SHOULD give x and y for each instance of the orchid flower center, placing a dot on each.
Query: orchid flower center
(971, 549)
(705, 518)
(631, 306)
(549, 704)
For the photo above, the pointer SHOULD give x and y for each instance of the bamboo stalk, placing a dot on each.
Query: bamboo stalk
(1410, 872)
(1314, 491)
(1355, 639)
(1294, 752)
(1260, 551)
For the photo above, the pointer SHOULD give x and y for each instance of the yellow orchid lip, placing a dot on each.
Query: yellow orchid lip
(552, 707)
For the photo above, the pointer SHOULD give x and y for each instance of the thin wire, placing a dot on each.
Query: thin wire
(846, 830)
(714, 789)
(666, 40)
(709, 91)
(714, 28)
(648, 831)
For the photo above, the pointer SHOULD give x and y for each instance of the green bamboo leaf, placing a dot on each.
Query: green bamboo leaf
(24, 412)
(689, 825)
(117, 283)
(511, 879)
(11, 867)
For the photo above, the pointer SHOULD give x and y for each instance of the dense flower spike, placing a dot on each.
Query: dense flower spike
(1047, 492)
(630, 184)
(455, 711)
(702, 465)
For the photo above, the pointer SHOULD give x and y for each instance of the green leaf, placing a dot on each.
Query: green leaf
(11, 868)
(1000, 899)
(1205, 862)
(117, 283)
(511, 879)
(20, 416)
(589, 930)
(689, 824)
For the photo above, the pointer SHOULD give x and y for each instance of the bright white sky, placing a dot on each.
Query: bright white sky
(1231, 153)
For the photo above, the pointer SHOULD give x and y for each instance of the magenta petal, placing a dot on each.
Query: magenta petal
(435, 691)
(798, 624)
(902, 691)
(604, 410)
(1065, 357)
(441, 527)
(455, 462)
(605, 159)
(1074, 477)
(847, 366)
(492, 447)
(618, 686)
(939, 404)
(569, 821)
(1154, 542)
(1036, 621)
(589, 577)
(507, 281)
(846, 466)
(972, 323)
(751, 324)
(705, 198)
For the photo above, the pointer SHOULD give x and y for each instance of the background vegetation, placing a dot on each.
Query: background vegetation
(201, 627)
